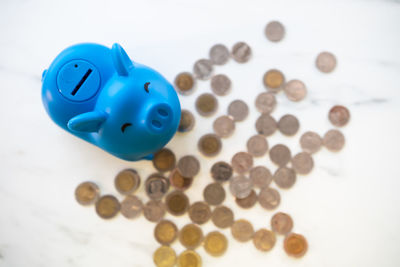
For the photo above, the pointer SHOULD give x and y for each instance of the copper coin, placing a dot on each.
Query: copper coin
(156, 186)
(333, 140)
(257, 145)
(219, 54)
(164, 160)
(247, 202)
(269, 198)
(302, 163)
(107, 206)
(164, 256)
(240, 186)
(274, 31)
(209, 145)
(264, 239)
(203, 69)
(310, 142)
(178, 181)
(266, 125)
(288, 125)
(238, 110)
(222, 217)
(221, 171)
(339, 116)
(265, 102)
(191, 236)
(224, 126)
(242, 230)
(165, 232)
(325, 62)
(131, 207)
(189, 258)
(127, 181)
(214, 194)
(260, 176)
(177, 203)
(220, 84)
(215, 243)
(154, 210)
(187, 121)
(274, 80)
(206, 104)
(295, 245)
(241, 52)
(199, 212)
(280, 154)
(281, 223)
(184, 83)
(188, 166)
(295, 90)
(285, 177)
(242, 162)
(87, 193)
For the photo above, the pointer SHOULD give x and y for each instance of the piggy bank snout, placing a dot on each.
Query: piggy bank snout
(159, 118)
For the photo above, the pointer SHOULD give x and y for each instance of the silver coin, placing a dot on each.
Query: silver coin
(333, 140)
(221, 171)
(238, 110)
(260, 176)
(265, 102)
(187, 121)
(274, 31)
(310, 142)
(220, 84)
(131, 207)
(295, 90)
(280, 154)
(288, 125)
(242, 162)
(285, 177)
(154, 210)
(325, 62)
(203, 69)
(303, 163)
(269, 198)
(266, 125)
(257, 145)
(241, 52)
(240, 186)
(188, 166)
(219, 54)
(224, 126)
(156, 186)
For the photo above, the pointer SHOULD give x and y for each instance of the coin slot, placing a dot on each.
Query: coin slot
(156, 123)
(84, 78)
(162, 112)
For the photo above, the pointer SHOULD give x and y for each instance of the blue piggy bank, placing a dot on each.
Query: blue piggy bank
(101, 96)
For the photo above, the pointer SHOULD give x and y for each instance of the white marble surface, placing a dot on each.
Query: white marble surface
(348, 208)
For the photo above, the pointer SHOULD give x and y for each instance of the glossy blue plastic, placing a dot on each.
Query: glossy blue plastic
(100, 95)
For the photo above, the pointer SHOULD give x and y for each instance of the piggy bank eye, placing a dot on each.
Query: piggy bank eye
(123, 127)
(146, 87)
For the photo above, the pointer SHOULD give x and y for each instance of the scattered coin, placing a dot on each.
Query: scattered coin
(295, 90)
(165, 232)
(281, 223)
(188, 166)
(221, 171)
(266, 125)
(257, 145)
(189, 258)
(164, 160)
(191, 236)
(241, 52)
(310, 142)
(214, 194)
(127, 181)
(220, 84)
(164, 256)
(333, 140)
(247, 202)
(260, 176)
(265, 102)
(264, 239)
(280, 154)
(240, 186)
(238, 110)
(154, 210)
(177, 203)
(203, 69)
(269, 198)
(302, 163)
(295, 245)
(178, 181)
(224, 126)
(274, 31)
(274, 80)
(242, 162)
(87, 193)
(184, 83)
(156, 186)
(222, 217)
(206, 104)
(209, 145)
(187, 121)
(242, 230)
(199, 212)
(219, 54)
(215, 243)
(107, 206)
(285, 177)
(339, 115)
(131, 207)
(326, 62)
(288, 125)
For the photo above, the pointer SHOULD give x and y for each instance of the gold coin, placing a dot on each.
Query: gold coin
(273, 80)
(264, 239)
(164, 256)
(177, 203)
(127, 181)
(191, 236)
(164, 160)
(242, 230)
(209, 145)
(87, 193)
(189, 258)
(184, 82)
(295, 245)
(107, 206)
(165, 232)
(215, 244)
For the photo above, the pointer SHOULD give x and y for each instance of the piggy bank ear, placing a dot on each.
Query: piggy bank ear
(121, 60)
(87, 122)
